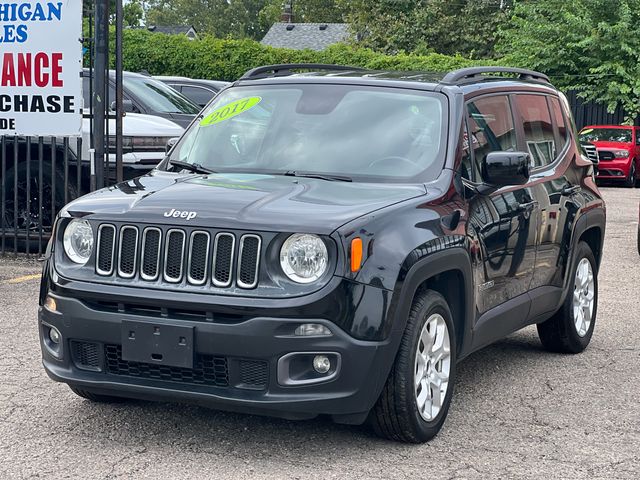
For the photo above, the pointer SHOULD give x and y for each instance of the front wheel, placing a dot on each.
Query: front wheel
(571, 328)
(631, 179)
(415, 400)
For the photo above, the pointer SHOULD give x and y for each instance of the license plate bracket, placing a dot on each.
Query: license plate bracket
(157, 343)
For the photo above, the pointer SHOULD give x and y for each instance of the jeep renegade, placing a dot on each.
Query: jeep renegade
(324, 240)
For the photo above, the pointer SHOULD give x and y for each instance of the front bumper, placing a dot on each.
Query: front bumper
(347, 396)
(617, 169)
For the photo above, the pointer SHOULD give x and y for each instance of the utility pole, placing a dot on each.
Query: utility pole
(100, 73)
(119, 103)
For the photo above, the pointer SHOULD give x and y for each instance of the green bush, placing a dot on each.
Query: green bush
(220, 59)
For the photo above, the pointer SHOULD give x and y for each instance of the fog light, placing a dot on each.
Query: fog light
(54, 335)
(321, 364)
(50, 304)
(311, 330)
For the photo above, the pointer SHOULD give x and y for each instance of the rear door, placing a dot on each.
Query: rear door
(556, 185)
(503, 224)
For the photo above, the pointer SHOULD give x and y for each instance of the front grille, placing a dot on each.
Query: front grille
(207, 370)
(150, 254)
(198, 257)
(606, 155)
(173, 256)
(106, 247)
(177, 256)
(249, 258)
(128, 251)
(591, 152)
(223, 259)
(253, 374)
(85, 355)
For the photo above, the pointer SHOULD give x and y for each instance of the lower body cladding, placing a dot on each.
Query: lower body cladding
(259, 366)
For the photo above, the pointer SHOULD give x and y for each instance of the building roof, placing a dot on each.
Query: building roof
(172, 29)
(299, 36)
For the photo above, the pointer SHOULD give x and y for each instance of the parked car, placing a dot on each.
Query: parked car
(48, 184)
(331, 244)
(144, 94)
(618, 150)
(198, 91)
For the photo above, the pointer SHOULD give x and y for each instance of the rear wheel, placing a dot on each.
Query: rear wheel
(415, 400)
(571, 328)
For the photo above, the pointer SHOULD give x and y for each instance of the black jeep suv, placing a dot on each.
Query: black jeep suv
(331, 242)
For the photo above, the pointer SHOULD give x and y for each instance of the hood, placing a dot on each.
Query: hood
(142, 125)
(182, 119)
(613, 145)
(241, 201)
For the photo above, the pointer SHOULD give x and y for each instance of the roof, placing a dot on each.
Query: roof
(300, 36)
(172, 29)
(466, 79)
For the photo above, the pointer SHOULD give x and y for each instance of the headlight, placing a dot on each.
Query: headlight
(78, 241)
(621, 153)
(304, 257)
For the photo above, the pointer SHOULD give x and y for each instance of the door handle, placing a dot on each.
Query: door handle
(527, 207)
(570, 190)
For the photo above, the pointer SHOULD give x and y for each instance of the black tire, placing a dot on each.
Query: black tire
(558, 334)
(96, 397)
(630, 181)
(395, 415)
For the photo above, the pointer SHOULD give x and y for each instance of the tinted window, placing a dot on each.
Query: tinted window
(381, 133)
(86, 93)
(158, 97)
(622, 135)
(467, 162)
(538, 129)
(560, 122)
(199, 95)
(491, 127)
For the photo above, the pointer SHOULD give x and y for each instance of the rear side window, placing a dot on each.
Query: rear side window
(539, 136)
(561, 124)
(491, 127)
(199, 95)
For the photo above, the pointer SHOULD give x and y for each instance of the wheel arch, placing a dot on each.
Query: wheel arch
(449, 273)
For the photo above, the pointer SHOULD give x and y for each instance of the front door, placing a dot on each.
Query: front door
(503, 224)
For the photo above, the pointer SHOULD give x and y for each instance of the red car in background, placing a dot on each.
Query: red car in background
(618, 150)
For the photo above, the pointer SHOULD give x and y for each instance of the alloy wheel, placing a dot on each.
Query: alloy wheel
(583, 297)
(432, 367)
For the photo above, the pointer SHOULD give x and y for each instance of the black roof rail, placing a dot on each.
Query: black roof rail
(285, 69)
(477, 73)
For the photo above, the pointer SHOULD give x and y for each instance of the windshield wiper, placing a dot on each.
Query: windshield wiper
(192, 167)
(330, 178)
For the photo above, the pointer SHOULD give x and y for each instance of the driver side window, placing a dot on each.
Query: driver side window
(491, 128)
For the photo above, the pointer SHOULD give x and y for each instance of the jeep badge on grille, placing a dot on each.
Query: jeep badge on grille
(178, 214)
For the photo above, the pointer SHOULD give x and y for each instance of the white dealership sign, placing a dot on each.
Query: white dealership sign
(40, 65)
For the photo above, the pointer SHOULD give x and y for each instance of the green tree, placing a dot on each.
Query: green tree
(133, 13)
(589, 45)
(464, 27)
(221, 18)
(305, 11)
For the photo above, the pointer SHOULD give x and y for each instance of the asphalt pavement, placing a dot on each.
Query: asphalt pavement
(518, 411)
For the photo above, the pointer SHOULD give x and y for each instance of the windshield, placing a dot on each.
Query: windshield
(159, 97)
(340, 130)
(605, 135)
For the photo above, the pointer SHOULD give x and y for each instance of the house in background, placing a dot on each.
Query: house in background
(300, 36)
(189, 31)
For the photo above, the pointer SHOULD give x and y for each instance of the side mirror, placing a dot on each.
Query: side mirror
(170, 143)
(127, 106)
(500, 169)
